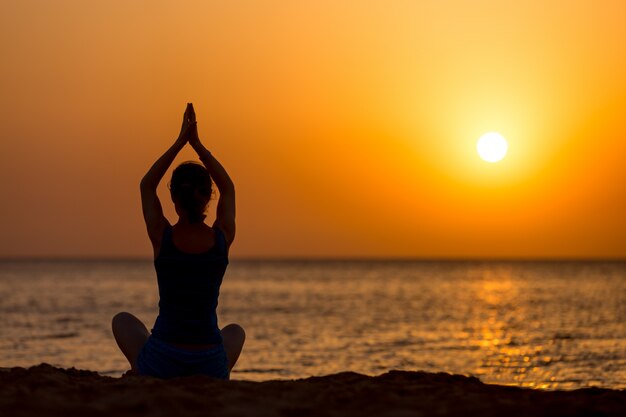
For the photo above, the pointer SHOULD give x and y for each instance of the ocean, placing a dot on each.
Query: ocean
(552, 325)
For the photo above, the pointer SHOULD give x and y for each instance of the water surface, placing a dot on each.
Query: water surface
(540, 324)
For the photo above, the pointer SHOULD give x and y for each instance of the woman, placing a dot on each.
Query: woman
(190, 259)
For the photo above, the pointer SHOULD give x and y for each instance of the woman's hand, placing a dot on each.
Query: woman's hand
(194, 139)
(186, 128)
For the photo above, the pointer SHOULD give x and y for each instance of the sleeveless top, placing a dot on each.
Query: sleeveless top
(189, 285)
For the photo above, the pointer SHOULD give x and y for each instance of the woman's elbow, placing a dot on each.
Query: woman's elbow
(146, 184)
(228, 187)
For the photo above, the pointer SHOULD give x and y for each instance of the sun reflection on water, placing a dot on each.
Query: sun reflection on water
(503, 350)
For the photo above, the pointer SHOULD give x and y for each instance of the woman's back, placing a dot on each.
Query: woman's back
(193, 238)
(189, 285)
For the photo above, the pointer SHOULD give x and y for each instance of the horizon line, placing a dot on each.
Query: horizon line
(328, 259)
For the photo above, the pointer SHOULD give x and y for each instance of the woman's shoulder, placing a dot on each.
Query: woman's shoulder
(220, 238)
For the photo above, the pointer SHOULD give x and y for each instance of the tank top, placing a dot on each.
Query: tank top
(189, 286)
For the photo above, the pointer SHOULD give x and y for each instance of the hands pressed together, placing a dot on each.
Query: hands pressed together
(189, 128)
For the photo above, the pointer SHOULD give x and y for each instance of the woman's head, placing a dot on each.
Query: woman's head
(191, 189)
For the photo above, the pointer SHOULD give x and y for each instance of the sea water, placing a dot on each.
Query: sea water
(555, 325)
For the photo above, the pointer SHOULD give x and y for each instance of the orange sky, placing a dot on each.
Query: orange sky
(349, 128)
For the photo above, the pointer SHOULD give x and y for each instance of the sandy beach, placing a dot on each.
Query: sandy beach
(44, 390)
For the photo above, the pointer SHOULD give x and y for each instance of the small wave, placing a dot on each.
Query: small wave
(67, 319)
(61, 335)
(259, 371)
(54, 336)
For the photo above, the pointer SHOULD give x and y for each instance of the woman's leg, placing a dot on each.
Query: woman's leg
(234, 337)
(130, 335)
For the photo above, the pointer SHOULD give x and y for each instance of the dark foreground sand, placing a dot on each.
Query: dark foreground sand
(47, 391)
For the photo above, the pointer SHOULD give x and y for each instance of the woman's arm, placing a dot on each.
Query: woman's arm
(150, 204)
(225, 215)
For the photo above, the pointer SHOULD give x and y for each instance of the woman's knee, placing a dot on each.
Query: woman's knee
(234, 331)
(124, 322)
(122, 318)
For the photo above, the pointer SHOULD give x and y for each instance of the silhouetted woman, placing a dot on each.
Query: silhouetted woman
(190, 259)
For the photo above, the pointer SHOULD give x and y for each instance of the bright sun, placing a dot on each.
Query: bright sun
(492, 147)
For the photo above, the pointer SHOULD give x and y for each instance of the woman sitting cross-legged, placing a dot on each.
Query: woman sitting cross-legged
(190, 259)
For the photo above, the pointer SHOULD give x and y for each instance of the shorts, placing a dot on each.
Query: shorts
(162, 360)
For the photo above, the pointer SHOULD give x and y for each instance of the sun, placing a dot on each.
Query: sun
(492, 147)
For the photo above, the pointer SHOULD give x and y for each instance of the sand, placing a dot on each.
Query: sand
(44, 390)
